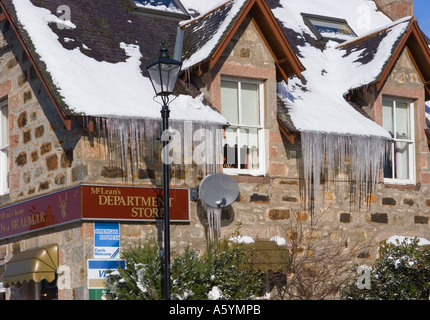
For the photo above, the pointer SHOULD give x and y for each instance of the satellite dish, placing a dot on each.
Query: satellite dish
(218, 190)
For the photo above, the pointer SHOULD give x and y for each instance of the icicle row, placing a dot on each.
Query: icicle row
(321, 151)
(131, 141)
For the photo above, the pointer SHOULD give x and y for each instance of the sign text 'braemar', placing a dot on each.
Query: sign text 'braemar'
(40, 213)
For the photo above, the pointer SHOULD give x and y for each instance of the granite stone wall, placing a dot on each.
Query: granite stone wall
(396, 9)
(45, 157)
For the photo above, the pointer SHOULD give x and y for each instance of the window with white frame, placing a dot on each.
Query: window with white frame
(4, 148)
(398, 119)
(242, 104)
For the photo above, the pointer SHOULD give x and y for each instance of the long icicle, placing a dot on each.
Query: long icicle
(327, 151)
(132, 143)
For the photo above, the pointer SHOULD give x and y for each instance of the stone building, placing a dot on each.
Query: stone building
(318, 114)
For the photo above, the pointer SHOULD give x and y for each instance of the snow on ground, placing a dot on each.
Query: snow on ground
(280, 241)
(400, 239)
(242, 239)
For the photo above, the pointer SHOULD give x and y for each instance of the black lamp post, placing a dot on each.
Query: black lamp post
(163, 74)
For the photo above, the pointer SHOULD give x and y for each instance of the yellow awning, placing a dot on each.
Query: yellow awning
(36, 265)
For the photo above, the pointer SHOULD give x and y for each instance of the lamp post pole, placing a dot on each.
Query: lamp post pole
(163, 74)
(165, 112)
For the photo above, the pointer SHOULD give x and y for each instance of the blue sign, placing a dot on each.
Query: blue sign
(97, 271)
(106, 240)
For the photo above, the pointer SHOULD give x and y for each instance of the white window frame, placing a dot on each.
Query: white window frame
(411, 141)
(262, 135)
(4, 154)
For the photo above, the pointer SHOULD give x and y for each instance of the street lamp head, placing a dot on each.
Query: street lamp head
(164, 73)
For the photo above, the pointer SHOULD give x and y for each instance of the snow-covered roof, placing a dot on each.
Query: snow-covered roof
(201, 7)
(96, 66)
(208, 35)
(207, 32)
(331, 70)
(320, 104)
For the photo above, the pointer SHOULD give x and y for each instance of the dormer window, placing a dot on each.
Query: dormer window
(328, 28)
(169, 7)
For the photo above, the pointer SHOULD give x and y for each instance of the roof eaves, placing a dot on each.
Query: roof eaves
(206, 24)
(186, 24)
(373, 33)
(366, 42)
(230, 31)
(420, 54)
(22, 39)
(277, 36)
(288, 65)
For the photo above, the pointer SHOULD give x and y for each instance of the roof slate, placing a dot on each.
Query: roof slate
(201, 30)
(295, 39)
(208, 35)
(369, 44)
(102, 25)
(362, 55)
(101, 28)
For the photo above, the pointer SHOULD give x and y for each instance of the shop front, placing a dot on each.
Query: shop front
(38, 270)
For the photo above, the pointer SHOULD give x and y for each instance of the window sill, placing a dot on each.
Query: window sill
(247, 178)
(402, 187)
(4, 198)
(242, 172)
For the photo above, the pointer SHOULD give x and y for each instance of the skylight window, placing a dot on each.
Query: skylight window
(328, 28)
(171, 6)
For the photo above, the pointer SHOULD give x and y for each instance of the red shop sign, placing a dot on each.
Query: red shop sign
(100, 202)
(92, 202)
(42, 212)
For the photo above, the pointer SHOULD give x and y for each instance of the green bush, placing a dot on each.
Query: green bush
(402, 273)
(141, 278)
(217, 274)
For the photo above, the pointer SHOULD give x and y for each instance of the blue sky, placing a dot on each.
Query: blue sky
(422, 12)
